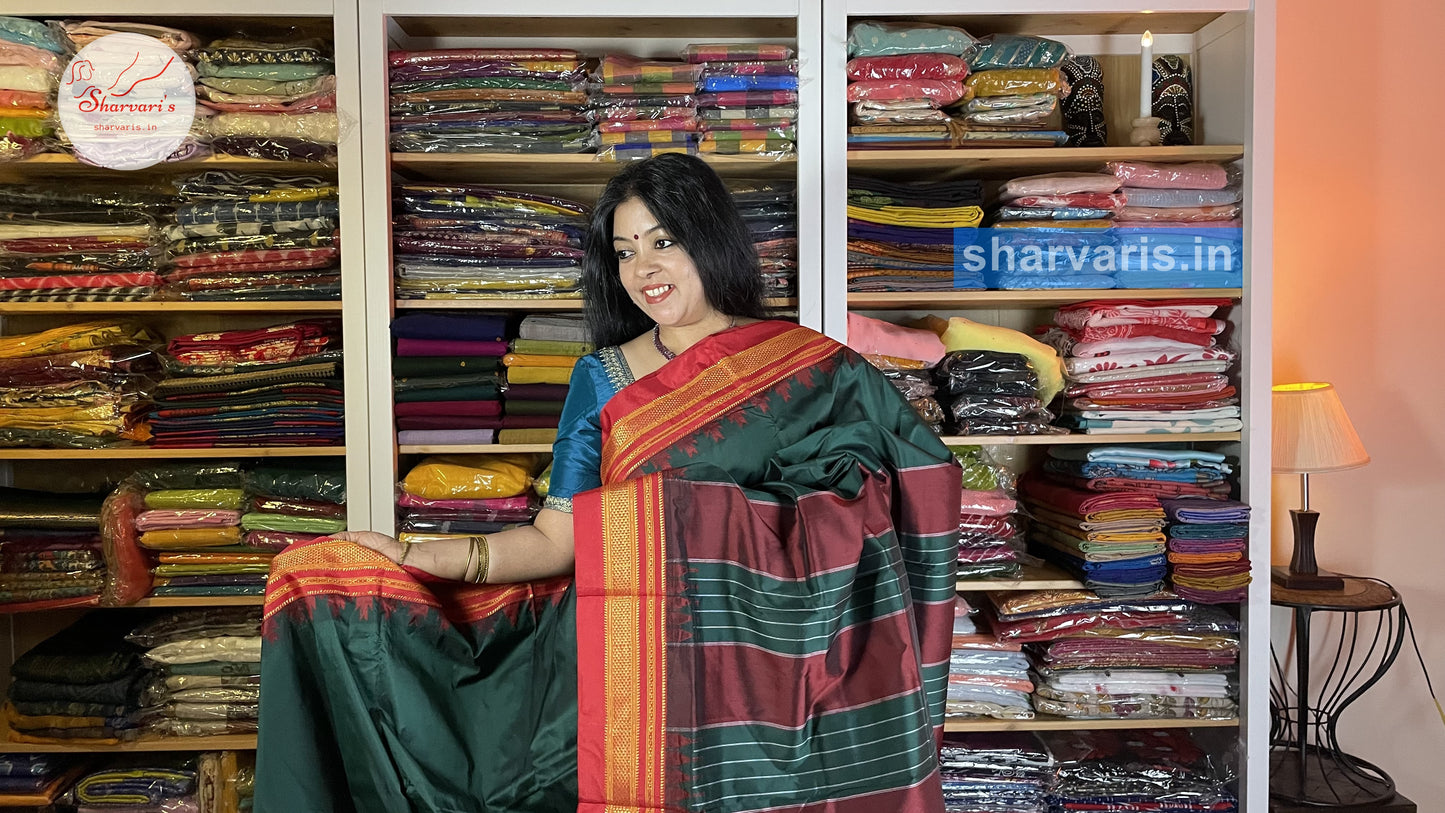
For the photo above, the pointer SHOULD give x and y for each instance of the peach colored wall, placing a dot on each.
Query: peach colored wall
(1359, 288)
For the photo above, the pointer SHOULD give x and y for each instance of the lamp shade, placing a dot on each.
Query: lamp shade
(1312, 433)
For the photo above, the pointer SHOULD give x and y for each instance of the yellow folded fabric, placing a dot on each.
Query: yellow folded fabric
(527, 436)
(539, 375)
(472, 477)
(175, 538)
(536, 360)
(547, 347)
(950, 217)
(1014, 82)
(72, 338)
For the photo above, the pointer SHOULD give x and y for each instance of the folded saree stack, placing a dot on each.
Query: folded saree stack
(462, 495)
(771, 214)
(489, 100)
(990, 540)
(82, 685)
(447, 377)
(150, 784)
(477, 242)
(986, 677)
(77, 386)
(747, 98)
(274, 386)
(1162, 770)
(242, 236)
(1146, 366)
(50, 550)
(32, 57)
(1112, 541)
(1053, 231)
(995, 771)
(206, 677)
(180, 534)
(538, 372)
(36, 780)
(272, 100)
(901, 236)
(645, 107)
(900, 76)
(1012, 93)
(1189, 213)
(986, 392)
(1209, 549)
(295, 503)
(68, 248)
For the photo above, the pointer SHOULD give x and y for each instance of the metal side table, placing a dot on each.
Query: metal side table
(1306, 764)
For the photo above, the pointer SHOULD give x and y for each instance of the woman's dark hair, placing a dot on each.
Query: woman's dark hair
(690, 202)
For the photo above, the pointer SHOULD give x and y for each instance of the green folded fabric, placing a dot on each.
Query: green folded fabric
(273, 73)
(225, 499)
(409, 366)
(514, 407)
(292, 524)
(443, 381)
(316, 482)
(214, 590)
(476, 392)
(545, 347)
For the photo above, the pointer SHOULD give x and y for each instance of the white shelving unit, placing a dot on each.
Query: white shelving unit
(1230, 44)
(648, 28)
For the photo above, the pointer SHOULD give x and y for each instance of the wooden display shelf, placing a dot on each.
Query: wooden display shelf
(984, 300)
(146, 744)
(580, 168)
(1048, 722)
(1041, 577)
(62, 163)
(147, 453)
(525, 304)
(996, 162)
(198, 601)
(481, 448)
(9, 308)
(1081, 439)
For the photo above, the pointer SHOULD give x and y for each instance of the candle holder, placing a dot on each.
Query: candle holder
(1145, 132)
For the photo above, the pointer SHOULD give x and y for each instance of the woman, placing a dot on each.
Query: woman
(763, 536)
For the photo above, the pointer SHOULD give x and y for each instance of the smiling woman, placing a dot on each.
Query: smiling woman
(764, 555)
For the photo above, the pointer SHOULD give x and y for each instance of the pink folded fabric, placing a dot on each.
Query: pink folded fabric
(162, 519)
(876, 337)
(988, 503)
(277, 540)
(1142, 344)
(498, 504)
(449, 347)
(1189, 215)
(1059, 183)
(465, 408)
(908, 66)
(938, 91)
(1169, 176)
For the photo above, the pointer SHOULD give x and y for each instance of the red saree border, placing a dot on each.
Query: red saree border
(705, 381)
(330, 568)
(622, 647)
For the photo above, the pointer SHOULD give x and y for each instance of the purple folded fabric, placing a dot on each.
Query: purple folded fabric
(1198, 511)
(1211, 596)
(477, 327)
(1211, 546)
(537, 392)
(474, 409)
(449, 347)
(446, 437)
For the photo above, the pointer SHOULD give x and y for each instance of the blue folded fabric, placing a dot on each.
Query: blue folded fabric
(1188, 510)
(478, 328)
(713, 84)
(1054, 282)
(1179, 279)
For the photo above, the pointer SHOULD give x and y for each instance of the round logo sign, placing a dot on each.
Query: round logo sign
(126, 101)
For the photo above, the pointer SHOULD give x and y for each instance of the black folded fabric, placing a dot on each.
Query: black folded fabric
(409, 366)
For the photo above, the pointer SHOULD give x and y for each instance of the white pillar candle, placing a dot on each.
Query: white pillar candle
(1146, 75)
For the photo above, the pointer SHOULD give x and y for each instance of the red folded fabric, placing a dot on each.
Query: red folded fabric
(1179, 334)
(1082, 502)
(43, 283)
(476, 409)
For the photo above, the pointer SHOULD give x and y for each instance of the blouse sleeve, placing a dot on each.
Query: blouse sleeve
(577, 454)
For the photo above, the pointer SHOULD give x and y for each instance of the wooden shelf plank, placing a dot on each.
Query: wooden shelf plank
(484, 448)
(1047, 722)
(980, 300)
(571, 169)
(199, 601)
(147, 453)
(1042, 577)
(527, 304)
(1081, 439)
(943, 164)
(146, 744)
(9, 308)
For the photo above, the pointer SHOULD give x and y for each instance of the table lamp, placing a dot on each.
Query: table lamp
(1312, 434)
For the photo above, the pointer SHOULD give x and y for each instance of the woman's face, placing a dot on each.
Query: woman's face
(655, 269)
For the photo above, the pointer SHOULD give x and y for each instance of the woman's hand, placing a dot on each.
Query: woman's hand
(381, 543)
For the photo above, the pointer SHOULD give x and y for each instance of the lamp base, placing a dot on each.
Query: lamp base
(1321, 580)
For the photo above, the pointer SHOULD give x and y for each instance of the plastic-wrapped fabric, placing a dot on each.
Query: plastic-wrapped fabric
(1182, 215)
(874, 38)
(938, 91)
(734, 51)
(624, 68)
(908, 66)
(471, 476)
(1145, 175)
(1060, 183)
(33, 33)
(1015, 82)
(751, 68)
(997, 51)
(1019, 116)
(1171, 198)
(981, 371)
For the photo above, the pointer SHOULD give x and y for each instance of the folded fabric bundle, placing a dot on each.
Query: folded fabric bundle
(1209, 549)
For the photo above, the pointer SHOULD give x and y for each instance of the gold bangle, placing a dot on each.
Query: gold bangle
(484, 558)
(471, 551)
